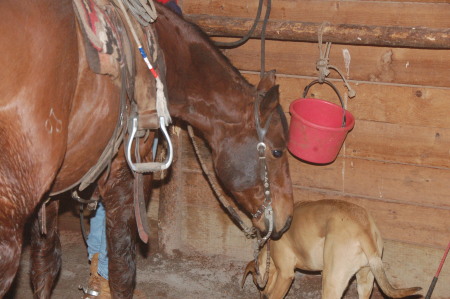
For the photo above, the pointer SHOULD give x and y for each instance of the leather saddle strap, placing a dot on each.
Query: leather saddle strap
(42, 217)
(140, 211)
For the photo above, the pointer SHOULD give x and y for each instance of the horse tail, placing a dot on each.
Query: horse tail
(376, 265)
(249, 269)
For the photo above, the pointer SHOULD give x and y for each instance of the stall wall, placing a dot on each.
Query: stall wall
(395, 162)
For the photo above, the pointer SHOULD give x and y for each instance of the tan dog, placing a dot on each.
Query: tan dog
(332, 236)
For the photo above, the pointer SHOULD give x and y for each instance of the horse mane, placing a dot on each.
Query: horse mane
(201, 37)
(215, 49)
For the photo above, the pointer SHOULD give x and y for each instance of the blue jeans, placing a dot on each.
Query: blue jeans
(97, 240)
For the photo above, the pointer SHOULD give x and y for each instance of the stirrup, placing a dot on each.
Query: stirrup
(149, 166)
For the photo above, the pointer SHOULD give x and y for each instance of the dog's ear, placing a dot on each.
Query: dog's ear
(249, 269)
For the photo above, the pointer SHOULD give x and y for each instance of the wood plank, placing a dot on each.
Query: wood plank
(394, 104)
(169, 205)
(382, 180)
(386, 13)
(377, 180)
(373, 64)
(389, 178)
(402, 222)
(371, 178)
(422, 146)
(413, 265)
(327, 177)
(206, 228)
(348, 34)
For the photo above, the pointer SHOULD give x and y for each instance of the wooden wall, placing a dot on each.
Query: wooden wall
(396, 160)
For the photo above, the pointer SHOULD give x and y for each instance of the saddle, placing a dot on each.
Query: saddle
(110, 51)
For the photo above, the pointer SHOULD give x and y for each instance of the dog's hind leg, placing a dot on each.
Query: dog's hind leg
(340, 264)
(45, 253)
(365, 279)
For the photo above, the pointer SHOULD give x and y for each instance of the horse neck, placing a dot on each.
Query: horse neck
(204, 89)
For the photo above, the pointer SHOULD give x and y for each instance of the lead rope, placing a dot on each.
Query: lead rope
(246, 36)
(250, 232)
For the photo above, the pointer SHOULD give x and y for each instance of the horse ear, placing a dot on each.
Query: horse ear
(270, 100)
(267, 82)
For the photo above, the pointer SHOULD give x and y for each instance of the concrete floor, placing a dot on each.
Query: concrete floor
(160, 277)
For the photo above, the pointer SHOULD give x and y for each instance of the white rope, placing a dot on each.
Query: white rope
(323, 65)
(161, 101)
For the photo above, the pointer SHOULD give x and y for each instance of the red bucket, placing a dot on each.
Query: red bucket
(318, 128)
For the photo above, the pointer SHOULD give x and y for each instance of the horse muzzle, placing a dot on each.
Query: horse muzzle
(277, 233)
(271, 227)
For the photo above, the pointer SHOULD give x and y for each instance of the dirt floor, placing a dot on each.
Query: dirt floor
(160, 277)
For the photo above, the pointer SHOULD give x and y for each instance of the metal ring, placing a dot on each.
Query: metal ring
(260, 146)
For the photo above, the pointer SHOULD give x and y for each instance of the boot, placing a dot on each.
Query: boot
(98, 287)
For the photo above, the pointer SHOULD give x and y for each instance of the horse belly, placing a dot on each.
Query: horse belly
(93, 118)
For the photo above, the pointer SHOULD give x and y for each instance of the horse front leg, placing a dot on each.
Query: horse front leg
(121, 230)
(45, 253)
(10, 249)
(121, 240)
(15, 208)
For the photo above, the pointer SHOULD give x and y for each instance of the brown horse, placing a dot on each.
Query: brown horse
(57, 116)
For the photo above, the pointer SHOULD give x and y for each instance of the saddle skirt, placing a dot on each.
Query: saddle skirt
(109, 49)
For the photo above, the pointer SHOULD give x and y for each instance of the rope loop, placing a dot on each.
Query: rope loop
(323, 66)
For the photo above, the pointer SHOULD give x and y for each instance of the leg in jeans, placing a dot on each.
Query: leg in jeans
(97, 240)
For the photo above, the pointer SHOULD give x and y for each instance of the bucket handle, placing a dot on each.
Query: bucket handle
(305, 92)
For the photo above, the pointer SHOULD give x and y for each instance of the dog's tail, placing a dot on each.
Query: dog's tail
(376, 265)
(249, 269)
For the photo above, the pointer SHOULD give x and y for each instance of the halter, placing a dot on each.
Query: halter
(266, 207)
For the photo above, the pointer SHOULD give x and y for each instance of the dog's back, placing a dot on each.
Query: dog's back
(317, 223)
(335, 237)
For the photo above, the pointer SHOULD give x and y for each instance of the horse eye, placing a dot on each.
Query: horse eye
(277, 153)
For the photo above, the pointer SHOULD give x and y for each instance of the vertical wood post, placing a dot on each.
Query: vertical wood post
(170, 198)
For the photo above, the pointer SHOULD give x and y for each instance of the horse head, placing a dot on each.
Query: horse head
(252, 163)
(243, 124)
